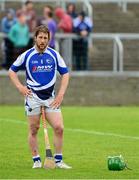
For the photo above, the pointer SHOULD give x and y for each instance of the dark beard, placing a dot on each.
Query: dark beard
(41, 49)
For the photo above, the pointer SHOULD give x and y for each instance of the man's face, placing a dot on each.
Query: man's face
(46, 11)
(42, 41)
(22, 19)
(81, 17)
(70, 8)
(29, 6)
(9, 16)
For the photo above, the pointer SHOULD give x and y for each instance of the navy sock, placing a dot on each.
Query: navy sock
(36, 158)
(58, 158)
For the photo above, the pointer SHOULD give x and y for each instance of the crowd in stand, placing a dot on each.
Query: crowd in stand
(18, 26)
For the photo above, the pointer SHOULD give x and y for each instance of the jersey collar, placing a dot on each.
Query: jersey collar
(39, 52)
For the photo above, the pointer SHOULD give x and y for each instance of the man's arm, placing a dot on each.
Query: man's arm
(3, 26)
(63, 87)
(12, 35)
(21, 88)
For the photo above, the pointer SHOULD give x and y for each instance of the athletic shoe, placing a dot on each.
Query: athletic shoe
(37, 164)
(62, 165)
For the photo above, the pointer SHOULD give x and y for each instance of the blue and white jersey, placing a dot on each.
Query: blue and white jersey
(79, 25)
(41, 70)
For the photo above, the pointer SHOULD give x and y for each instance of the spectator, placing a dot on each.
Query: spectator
(51, 24)
(30, 18)
(19, 34)
(64, 25)
(71, 10)
(65, 21)
(30, 15)
(43, 20)
(82, 26)
(6, 24)
(8, 21)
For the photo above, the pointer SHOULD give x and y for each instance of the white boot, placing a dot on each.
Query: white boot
(37, 164)
(62, 165)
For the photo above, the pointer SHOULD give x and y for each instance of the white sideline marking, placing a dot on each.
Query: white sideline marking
(13, 121)
(78, 130)
(102, 133)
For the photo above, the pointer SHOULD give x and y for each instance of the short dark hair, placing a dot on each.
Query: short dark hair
(28, 2)
(19, 13)
(42, 28)
(48, 6)
(71, 4)
(82, 13)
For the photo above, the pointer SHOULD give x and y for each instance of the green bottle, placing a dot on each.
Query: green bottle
(116, 163)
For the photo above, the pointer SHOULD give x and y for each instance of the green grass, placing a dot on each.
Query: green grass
(87, 143)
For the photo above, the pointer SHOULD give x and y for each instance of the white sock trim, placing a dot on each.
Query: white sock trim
(38, 156)
(60, 154)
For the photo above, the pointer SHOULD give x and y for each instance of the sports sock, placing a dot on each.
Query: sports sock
(58, 158)
(36, 158)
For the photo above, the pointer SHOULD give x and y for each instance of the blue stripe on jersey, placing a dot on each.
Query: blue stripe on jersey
(44, 94)
(14, 68)
(61, 70)
(17, 68)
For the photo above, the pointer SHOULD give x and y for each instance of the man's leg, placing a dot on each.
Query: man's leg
(34, 124)
(55, 119)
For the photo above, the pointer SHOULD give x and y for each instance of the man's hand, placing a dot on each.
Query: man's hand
(22, 89)
(63, 86)
(57, 101)
(84, 33)
(25, 91)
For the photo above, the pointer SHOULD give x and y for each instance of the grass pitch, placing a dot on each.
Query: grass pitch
(91, 135)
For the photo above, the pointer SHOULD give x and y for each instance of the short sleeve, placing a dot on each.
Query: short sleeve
(61, 66)
(19, 63)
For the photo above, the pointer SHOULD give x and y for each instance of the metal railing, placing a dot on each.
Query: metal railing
(118, 48)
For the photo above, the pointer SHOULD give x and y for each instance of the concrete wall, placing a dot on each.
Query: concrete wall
(85, 90)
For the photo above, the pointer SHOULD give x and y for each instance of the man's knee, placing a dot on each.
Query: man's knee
(59, 129)
(34, 129)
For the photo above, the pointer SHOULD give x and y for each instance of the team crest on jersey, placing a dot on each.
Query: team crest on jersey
(46, 68)
(49, 61)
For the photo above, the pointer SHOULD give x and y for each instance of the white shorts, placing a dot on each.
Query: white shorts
(33, 105)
